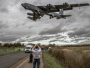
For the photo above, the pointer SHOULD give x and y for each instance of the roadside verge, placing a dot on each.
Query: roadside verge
(50, 62)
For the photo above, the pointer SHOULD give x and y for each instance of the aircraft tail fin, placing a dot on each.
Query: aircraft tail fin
(61, 11)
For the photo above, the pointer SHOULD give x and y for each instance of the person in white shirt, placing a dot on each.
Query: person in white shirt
(36, 51)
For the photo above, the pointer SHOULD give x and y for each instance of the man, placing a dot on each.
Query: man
(36, 51)
(31, 58)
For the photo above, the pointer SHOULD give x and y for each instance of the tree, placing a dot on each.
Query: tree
(6, 45)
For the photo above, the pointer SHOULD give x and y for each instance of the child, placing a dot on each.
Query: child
(31, 58)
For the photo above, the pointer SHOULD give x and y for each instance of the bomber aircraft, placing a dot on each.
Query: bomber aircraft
(40, 11)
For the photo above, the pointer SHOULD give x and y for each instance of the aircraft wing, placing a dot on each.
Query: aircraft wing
(79, 5)
(71, 5)
(63, 16)
(55, 8)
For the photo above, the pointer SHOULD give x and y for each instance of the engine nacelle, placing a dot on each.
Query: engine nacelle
(38, 17)
(30, 18)
(30, 14)
(37, 12)
(68, 5)
(51, 16)
(50, 6)
(58, 18)
(41, 15)
(65, 3)
(64, 17)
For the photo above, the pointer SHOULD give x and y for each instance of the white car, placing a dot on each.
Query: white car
(28, 48)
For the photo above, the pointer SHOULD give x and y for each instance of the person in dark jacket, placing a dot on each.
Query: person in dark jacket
(31, 58)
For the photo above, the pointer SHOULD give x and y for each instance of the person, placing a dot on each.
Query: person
(42, 50)
(31, 58)
(36, 52)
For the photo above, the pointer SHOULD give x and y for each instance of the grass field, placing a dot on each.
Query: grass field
(50, 62)
(72, 57)
(82, 50)
(10, 50)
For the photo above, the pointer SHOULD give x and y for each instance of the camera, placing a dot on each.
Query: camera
(36, 47)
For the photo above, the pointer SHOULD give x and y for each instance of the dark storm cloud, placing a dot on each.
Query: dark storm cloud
(54, 30)
(79, 32)
(8, 38)
(79, 39)
(86, 35)
(21, 41)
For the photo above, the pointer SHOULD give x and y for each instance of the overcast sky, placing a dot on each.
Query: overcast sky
(16, 27)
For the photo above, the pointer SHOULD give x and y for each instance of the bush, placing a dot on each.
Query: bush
(71, 59)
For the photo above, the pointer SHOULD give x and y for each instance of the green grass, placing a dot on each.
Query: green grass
(50, 62)
(8, 51)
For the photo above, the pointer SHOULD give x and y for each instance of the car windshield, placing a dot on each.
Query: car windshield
(27, 47)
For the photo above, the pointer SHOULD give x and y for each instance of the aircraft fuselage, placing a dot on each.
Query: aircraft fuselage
(33, 8)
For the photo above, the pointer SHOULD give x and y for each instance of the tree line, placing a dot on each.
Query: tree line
(12, 45)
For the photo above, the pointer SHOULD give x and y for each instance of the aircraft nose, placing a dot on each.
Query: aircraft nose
(22, 4)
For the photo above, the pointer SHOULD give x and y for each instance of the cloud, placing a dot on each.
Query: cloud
(53, 41)
(14, 23)
(40, 38)
(4, 10)
(86, 35)
(54, 30)
(79, 32)
(3, 25)
(7, 38)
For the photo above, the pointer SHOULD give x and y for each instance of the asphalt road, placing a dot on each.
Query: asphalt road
(24, 63)
(8, 60)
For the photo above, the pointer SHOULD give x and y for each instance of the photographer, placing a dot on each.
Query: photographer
(36, 51)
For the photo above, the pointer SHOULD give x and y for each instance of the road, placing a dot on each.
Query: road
(8, 60)
(24, 63)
